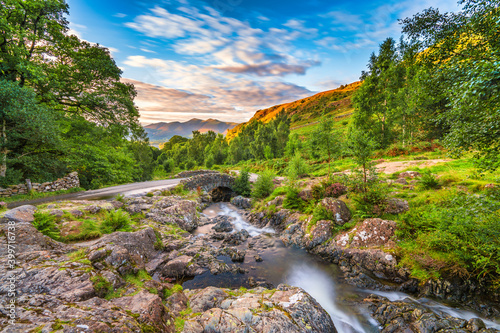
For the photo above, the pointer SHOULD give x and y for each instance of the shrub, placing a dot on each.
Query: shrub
(321, 213)
(428, 181)
(335, 190)
(242, 183)
(292, 199)
(45, 223)
(118, 220)
(264, 184)
(297, 168)
(372, 202)
(318, 192)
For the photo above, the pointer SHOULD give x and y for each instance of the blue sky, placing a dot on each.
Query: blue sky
(225, 59)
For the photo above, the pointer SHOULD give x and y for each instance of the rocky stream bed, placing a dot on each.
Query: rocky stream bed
(240, 272)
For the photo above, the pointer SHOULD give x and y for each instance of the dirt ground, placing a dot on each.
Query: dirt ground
(397, 166)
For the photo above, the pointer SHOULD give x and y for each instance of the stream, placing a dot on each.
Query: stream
(293, 266)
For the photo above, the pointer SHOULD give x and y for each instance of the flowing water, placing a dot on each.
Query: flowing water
(322, 280)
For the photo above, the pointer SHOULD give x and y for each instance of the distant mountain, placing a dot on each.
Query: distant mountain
(164, 131)
(336, 103)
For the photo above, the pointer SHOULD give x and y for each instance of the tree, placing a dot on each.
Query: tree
(28, 132)
(465, 49)
(325, 141)
(242, 183)
(361, 146)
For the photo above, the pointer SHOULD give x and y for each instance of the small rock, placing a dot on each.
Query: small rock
(475, 325)
(93, 209)
(56, 212)
(21, 214)
(77, 213)
(401, 181)
(258, 258)
(116, 204)
(242, 202)
(223, 224)
(396, 206)
(409, 174)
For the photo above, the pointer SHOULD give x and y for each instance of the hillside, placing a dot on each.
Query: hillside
(307, 110)
(164, 131)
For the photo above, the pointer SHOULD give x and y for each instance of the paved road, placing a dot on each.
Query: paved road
(133, 189)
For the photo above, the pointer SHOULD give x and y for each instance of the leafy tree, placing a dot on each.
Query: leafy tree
(324, 141)
(28, 132)
(360, 146)
(264, 185)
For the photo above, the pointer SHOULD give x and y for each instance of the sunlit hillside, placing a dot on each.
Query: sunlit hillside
(304, 111)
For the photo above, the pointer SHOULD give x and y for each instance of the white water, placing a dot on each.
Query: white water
(320, 285)
(239, 223)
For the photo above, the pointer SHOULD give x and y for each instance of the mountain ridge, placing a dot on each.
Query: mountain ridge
(166, 130)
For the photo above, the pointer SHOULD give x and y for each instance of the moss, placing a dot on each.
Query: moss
(101, 285)
(77, 255)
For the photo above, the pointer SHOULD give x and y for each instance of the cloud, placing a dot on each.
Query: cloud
(268, 69)
(120, 15)
(147, 51)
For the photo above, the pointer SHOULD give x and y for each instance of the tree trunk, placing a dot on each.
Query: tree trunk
(3, 136)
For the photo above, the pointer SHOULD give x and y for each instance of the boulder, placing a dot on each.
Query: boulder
(178, 268)
(396, 206)
(306, 194)
(223, 224)
(150, 310)
(56, 212)
(401, 181)
(371, 233)
(76, 213)
(409, 174)
(242, 202)
(21, 214)
(320, 233)
(341, 214)
(288, 309)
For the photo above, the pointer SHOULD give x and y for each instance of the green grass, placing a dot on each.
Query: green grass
(39, 195)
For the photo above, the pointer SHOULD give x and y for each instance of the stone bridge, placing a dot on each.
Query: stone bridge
(209, 182)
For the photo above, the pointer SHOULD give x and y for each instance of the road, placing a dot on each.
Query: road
(134, 189)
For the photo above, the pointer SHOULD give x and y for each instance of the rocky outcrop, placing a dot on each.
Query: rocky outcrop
(288, 309)
(368, 234)
(174, 210)
(409, 174)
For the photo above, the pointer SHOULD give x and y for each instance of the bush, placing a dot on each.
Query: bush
(321, 213)
(318, 192)
(45, 223)
(242, 184)
(428, 181)
(335, 190)
(292, 199)
(264, 185)
(118, 220)
(297, 168)
(372, 202)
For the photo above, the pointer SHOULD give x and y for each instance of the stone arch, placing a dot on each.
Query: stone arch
(208, 182)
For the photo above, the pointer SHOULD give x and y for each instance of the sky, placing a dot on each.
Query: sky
(226, 59)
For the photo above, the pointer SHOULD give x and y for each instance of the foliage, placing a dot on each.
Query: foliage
(335, 190)
(264, 185)
(101, 285)
(361, 146)
(372, 201)
(428, 181)
(292, 199)
(460, 232)
(88, 230)
(45, 223)
(324, 141)
(242, 183)
(297, 167)
(118, 220)
(321, 213)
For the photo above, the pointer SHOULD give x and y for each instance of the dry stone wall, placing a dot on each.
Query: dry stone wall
(65, 183)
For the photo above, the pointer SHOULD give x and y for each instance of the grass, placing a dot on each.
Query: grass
(39, 195)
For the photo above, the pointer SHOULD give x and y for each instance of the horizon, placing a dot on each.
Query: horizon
(226, 60)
